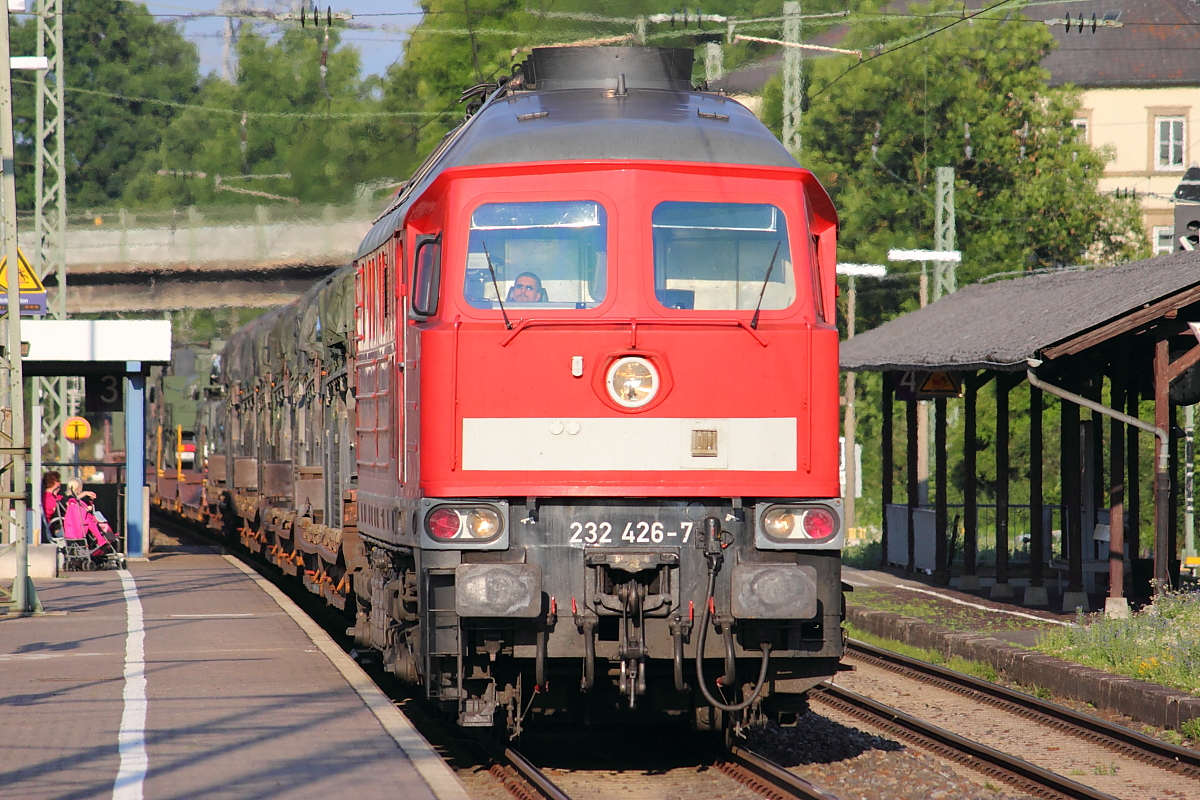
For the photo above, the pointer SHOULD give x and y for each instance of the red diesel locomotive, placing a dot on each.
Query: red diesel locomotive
(594, 384)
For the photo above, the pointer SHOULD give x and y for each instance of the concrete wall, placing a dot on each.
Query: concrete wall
(43, 562)
(303, 242)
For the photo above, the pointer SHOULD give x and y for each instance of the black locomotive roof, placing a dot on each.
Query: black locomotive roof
(598, 125)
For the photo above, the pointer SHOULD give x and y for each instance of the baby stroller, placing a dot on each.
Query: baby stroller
(87, 540)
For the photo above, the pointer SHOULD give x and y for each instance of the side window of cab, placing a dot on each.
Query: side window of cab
(427, 273)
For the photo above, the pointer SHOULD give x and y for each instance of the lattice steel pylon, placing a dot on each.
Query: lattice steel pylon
(50, 213)
(945, 279)
(793, 79)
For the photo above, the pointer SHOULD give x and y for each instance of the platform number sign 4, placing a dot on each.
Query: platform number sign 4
(914, 385)
(102, 393)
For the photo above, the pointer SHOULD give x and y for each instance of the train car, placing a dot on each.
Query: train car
(593, 379)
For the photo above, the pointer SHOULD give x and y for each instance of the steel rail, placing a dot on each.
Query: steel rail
(534, 776)
(1116, 737)
(778, 778)
(1015, 771)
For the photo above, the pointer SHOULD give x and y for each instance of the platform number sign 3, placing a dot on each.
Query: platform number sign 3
(103, 394)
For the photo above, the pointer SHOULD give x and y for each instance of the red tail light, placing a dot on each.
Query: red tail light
(818, 523)
(444, 523)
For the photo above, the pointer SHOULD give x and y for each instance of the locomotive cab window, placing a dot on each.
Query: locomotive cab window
(544, 255)
(722, 256)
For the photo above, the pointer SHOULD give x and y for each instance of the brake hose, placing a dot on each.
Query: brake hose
(713, 566)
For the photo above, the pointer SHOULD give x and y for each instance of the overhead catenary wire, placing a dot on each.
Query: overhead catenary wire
(260, 114)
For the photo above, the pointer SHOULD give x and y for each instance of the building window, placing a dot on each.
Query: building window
(1164, 239)
(1080, 124)
(1169, 142)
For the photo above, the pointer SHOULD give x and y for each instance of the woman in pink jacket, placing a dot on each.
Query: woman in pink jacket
(79, 520)
(51, 498)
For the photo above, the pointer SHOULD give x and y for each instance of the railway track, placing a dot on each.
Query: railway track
(761, 775)
(1014, 771)
(1093, 729)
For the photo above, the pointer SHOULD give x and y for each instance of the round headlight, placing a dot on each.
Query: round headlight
(632, 381)
(482, 523)
(779, 523)
(444, 523)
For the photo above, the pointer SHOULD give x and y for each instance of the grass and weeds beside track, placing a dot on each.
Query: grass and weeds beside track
(951, 615)
(975, 668)
(1156, 644)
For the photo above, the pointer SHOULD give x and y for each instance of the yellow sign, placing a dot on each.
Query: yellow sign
(939, 384)
(29, 282)
(32, 291)
(77, 430)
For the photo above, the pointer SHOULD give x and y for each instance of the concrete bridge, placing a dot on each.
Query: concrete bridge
(231, 257)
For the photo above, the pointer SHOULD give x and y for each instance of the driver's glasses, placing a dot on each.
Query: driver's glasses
(525, 287)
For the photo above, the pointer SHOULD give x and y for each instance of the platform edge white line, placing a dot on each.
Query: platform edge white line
(432, 768)
(131, 736)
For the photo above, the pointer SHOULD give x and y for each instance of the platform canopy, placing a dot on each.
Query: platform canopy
(1002, 324)
(81, 346)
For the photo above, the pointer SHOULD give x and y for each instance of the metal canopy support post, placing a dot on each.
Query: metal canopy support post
(1002, 588)
(13, 484)
(1074, 597)
(889, 462)
(1173, 497)
(941, 558)
(911, 408)
(1035, 594)
(1189, 473)
(970, 577)
(1133, 486)
(135, 459)
(1116, 605)
(1162, 479)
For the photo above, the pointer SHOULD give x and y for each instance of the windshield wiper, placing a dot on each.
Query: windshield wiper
(763, 292)
(496, 286)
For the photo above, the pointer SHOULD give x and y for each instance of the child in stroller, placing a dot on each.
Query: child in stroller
(88, 539)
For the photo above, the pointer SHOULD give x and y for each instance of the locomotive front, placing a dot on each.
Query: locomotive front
(618, 471)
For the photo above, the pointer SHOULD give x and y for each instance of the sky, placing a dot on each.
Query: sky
(379, 48)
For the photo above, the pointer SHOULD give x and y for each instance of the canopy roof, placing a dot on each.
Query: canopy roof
(1000, 325)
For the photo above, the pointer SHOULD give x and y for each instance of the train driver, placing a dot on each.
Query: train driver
(527, 288)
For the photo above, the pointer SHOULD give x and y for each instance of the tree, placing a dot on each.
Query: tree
(118, 61)
(1026, 192)
(458, 45)
(282, 117)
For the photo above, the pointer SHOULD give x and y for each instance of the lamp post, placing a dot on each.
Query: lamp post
(853, 271)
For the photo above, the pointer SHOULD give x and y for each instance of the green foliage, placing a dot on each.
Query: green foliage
(1191, 729)
(975, 668)
(111, 47)
(1026, 197)
(865, 555)
(929, 656)
(327, 133)
(1155, 644)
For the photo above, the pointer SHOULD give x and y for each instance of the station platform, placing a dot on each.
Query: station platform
(916, 595)
(190, 676)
